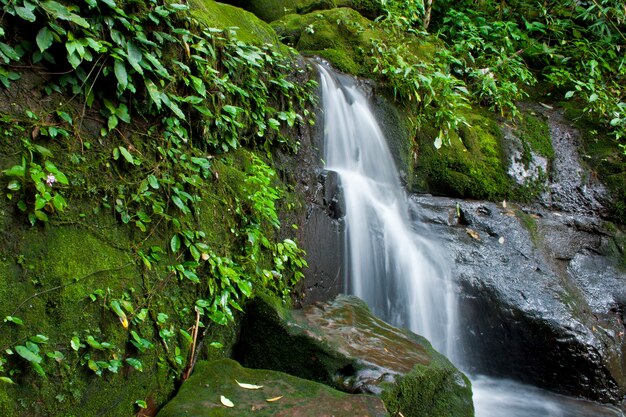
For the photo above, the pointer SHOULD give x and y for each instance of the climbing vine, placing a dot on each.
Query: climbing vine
(171, 97)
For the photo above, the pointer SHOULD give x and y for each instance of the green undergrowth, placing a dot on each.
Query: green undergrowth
(139, 210)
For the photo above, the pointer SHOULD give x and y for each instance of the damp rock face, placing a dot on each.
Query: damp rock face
(214, 390)
(541, 294)
(342, 344)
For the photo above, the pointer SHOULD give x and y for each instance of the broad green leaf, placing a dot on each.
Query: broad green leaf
(16, 171)
(79, 20)
(9, 52)
(134, 56)
(14, 319)
(179, 203)
(120, 73)
(75, 343)
(569, 94)
(127, 155)
(153, 181)
(59, 202)
(175, 243)
(56, 9)
(155, 93)
(39, 339)
(6, 380)
(44, 38)
(26, 12)
(27, 354)
(169, 102)
(135, 363)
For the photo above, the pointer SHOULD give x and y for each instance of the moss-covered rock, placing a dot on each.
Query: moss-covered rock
(201, 395)
(471, 165)
(271, 10)
(249, 28)
(342, 36)
(342, 344)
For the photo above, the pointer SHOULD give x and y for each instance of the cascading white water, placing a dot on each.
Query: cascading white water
(396, 271)
(402, 275)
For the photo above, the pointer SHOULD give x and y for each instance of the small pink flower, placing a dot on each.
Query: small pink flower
(50, 179)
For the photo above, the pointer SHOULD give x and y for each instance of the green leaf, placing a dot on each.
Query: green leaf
(59, 202)
(569, 94)
(26, 12)
(75, 343)
(135, 363)
(129, 158)
(134, 56)
(171, 103)
(13, 319)
(6, 380)
(175, 243)
(153, 181)
(179, 203)
(56, 9)
(187, 336)
(155, 93)
(16, 171)
(44, 38)
(39, 339)
(79, 20)
(120, 73)
(9, 52)
(27, 354)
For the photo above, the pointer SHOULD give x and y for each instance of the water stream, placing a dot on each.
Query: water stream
(403, 275)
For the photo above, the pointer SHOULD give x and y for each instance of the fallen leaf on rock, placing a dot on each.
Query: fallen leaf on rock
(248, 386)
(271, 400)
(473, 233)
(226, 402)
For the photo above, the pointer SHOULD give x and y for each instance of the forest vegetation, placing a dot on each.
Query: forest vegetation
(139, 136)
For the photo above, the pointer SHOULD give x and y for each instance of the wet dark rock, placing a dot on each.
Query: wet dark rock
(318, 217)
(569, 185)
(342, 344)
(200, 395)
(540, 299)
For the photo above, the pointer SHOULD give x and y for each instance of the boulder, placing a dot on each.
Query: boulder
(541, 294)
(214, 384)
(342, 344)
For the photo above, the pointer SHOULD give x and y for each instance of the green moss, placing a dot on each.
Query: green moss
(469, 166)
(250, 28)
(534, 133)
(201, 395)
(342, 36)
(422, 393)
(529, 223)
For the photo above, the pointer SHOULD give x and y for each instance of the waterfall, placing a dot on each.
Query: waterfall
(402, 275)
(399, 273)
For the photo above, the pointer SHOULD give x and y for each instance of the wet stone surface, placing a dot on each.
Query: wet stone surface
(541, 298)
(342, 344)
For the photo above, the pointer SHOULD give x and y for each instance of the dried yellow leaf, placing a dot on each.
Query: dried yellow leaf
(226, 402)
(473, 233)
(248, 386)
(271, 400)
